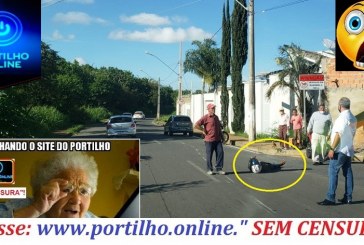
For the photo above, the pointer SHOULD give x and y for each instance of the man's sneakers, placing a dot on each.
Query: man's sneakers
(220, 172)
(326, 203)
(344, 200)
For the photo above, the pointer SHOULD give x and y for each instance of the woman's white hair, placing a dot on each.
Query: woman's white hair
(61, 161)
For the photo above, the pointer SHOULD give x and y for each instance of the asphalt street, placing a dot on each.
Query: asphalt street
(174, 182)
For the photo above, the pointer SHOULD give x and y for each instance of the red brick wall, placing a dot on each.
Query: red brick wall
(344, 79)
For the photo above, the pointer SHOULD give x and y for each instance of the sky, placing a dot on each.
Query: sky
(118, 33)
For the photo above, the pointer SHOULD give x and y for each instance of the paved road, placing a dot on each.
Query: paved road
(174, 182)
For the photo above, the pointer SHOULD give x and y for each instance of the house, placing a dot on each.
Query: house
(337, 83)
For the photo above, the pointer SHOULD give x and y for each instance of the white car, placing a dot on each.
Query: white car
(121, 125)
(138, 115)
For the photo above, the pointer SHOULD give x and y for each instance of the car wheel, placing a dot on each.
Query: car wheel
(190, 133)
(184, 133)
(170, 133)
(165, 133)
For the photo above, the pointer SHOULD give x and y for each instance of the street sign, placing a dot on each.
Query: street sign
(312, 81)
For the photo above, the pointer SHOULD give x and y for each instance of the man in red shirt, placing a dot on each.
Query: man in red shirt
(210, 127)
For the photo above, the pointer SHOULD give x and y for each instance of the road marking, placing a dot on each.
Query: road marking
(158, 142)
(203, 171)
(230, 180)
(265, 206)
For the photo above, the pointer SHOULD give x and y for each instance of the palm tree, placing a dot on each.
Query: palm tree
(294, 62)
(204, 62)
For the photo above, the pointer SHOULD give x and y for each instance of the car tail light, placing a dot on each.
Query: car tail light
(133, 125)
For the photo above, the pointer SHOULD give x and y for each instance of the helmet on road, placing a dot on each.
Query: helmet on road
(254, 165)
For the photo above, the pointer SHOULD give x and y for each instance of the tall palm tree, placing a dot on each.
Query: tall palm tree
(204, 62)
(294, 62)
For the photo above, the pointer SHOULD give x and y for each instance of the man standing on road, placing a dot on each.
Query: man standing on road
(210, 127)
(319, 126)
(341, 152)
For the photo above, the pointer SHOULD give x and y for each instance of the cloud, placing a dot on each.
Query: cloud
(56, 35)
(80, 60)
(146, 19)
(161, 35)
(77, 18)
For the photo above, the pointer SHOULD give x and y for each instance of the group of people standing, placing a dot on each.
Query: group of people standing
(318, 130)
(329, 140)
(284, 126)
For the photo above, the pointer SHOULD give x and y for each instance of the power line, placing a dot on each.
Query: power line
(284, 5)
(267, 10)
(181, 6)
(50, 3)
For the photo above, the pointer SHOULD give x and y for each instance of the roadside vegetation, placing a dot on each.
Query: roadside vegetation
(70, 95)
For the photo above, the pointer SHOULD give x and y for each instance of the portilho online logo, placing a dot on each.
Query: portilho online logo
(11, 28)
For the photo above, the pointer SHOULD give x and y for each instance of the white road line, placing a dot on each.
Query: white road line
(158, 142)
(203, 171)
(265, 206)
(230, 180)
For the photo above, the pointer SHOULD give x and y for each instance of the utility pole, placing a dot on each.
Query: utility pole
(179, 76)
(180, 80)
(251, 57)
(159, 99)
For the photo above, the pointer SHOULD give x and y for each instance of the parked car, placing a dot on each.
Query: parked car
(138, 115)
(127, 114)
(121, 125)
(178, 124)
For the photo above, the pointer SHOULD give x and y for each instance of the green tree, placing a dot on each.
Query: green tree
(204, 62)
(238, 60)
(293, 62)
(225, 63)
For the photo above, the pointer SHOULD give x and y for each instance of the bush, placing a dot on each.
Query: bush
(95, 114)
(46, 119)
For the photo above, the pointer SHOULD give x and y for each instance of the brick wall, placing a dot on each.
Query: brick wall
(344, 79)
(346, 84)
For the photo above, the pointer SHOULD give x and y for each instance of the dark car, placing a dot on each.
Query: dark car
(178, 124)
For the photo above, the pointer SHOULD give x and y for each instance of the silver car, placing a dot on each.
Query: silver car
(138, 115)
(121, 125)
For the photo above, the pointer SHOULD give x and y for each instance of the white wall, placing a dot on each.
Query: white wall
(267, 111)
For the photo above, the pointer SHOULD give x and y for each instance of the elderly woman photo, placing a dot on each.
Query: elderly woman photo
(62, 188)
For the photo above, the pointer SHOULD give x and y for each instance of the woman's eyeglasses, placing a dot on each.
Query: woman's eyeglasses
(83, 189)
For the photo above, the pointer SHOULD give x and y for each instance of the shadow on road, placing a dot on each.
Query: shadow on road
(144, 189)
(145, 157)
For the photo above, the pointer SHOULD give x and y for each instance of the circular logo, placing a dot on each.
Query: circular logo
(10, 28)
(1, 167)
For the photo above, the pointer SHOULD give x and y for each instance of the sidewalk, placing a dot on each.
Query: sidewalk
(271, 149)
(274, 149)
(267, 147)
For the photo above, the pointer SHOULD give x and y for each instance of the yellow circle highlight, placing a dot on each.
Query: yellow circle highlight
(270, 190)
